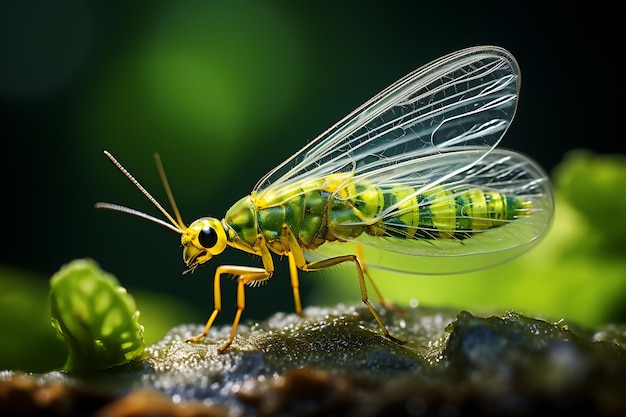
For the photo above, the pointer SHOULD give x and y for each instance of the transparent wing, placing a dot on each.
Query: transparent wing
(465, 98)
(436, 127)
(506, 172)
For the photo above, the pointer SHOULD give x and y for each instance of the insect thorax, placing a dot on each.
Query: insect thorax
(303, 210)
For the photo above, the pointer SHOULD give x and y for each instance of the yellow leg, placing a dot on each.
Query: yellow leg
(295, 283)
(295, 253)
(383, 301)
(245, 275)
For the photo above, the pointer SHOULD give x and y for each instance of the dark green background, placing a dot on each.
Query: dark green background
(226, 92)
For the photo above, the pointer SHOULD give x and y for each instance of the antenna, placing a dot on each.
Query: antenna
(177, 225)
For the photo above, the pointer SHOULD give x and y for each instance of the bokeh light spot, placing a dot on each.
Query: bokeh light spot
(220, 69)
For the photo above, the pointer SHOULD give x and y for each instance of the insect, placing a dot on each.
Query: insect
(411, 181)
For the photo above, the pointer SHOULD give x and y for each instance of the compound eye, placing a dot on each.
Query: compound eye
(207, 237)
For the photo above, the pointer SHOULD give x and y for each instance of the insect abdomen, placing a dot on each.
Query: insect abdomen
(397, 211)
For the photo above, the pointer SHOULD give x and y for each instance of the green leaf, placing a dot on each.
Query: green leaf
(96, 317)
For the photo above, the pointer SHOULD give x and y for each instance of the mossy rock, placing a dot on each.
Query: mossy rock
(336, 361)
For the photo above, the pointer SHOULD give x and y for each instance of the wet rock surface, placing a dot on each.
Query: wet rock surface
(336, 361)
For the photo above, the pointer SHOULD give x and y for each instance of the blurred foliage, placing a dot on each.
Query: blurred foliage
(189, 80)
(25, 322)
(96, 317)
(577, 272)
(593, 185)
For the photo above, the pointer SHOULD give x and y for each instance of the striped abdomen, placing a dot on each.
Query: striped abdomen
(441, 212)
